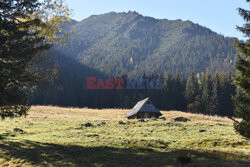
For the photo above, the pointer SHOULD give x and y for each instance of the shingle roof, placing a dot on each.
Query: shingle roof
(143, 106)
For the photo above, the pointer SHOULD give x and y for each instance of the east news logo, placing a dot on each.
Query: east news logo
(128, 83)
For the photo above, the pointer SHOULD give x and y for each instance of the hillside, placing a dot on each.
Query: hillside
(68, 88)
(155, 46)
(53, 136)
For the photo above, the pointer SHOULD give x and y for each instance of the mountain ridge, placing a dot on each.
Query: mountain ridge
(162, 46)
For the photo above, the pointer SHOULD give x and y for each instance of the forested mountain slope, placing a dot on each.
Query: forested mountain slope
(114, 44)
(129, 43)
(69, 86)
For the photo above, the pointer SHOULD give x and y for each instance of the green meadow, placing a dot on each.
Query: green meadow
(54, 136)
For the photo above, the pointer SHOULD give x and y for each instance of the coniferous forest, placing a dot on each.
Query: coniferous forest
(204, 93)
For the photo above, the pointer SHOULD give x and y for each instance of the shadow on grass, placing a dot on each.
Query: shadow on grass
(45, 154)
(5, 135)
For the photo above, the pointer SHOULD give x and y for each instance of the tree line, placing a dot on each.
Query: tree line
(205, 93)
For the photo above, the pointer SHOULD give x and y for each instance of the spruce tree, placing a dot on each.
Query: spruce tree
(192, 88)
(242, 78)
(26, 32)
(207, 92)
(227, 90)
(215, 95)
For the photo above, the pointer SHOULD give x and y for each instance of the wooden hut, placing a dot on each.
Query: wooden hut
(143, 109)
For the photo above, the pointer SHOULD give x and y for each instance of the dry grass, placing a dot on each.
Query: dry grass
(76, 113)
(109, 114)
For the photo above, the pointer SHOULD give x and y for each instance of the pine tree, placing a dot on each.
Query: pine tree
(242, 78)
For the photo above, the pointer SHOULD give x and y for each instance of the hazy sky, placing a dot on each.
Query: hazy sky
(220, 16)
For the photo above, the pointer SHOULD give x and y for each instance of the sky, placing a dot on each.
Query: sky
(220, 16)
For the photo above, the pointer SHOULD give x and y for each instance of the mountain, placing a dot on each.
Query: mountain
(132, 44)
(118, 44)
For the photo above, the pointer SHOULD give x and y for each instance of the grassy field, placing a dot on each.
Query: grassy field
(54, 136)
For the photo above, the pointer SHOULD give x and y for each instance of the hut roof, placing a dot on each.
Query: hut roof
(144, 105)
